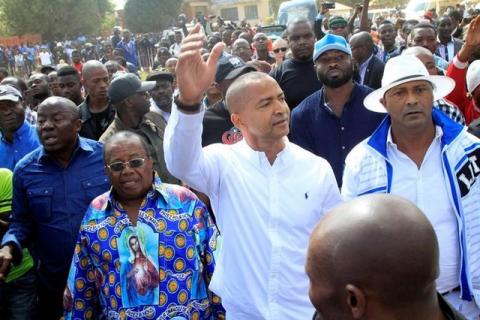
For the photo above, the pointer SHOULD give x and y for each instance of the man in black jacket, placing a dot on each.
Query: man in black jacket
(370, 68)
(217, 126)
(96, 112)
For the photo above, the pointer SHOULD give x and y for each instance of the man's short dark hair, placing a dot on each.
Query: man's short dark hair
(424, 25)
(68, 71)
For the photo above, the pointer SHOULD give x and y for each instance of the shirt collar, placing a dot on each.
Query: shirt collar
(438, 136)
(81, 143)
(366, 62)
(19, 132)
(260, 158)
(158, 189)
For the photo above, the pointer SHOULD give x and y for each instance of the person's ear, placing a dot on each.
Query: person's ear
(236, 120)
(356, 301)
(78, 125)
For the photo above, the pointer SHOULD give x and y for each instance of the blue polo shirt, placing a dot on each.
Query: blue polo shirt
(25, 140)
(316, 128)
(49, 202)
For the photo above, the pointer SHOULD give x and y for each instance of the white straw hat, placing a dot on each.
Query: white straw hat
(402, 69)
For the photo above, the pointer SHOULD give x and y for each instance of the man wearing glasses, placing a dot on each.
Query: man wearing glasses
(146, 250)
(52, 187)
(130, 97)
(280, 47)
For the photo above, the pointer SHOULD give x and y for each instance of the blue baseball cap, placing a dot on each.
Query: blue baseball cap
(331, 42)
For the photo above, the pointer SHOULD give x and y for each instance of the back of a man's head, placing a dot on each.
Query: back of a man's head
(378, 251)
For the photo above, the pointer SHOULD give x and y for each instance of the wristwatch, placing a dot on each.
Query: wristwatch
(184, 107)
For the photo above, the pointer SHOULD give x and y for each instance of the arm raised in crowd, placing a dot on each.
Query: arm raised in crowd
(458, 68)
(184, 155)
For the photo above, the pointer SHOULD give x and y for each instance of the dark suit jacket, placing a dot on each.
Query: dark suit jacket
(457, 45)
(374, 73)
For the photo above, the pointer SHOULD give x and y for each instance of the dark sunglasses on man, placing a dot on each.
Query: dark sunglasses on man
(119, 166)
(280, 49)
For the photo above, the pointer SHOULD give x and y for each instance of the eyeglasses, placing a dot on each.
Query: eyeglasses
(119, 166)
(280, 49)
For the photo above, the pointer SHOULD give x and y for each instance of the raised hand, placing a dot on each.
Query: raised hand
(194, 75)
(472, 40)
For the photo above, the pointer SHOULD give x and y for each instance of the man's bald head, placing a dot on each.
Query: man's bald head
(424, 55)
(65, 104)
(376, 246)
(362, 46)
(237, 93)
(91, 65)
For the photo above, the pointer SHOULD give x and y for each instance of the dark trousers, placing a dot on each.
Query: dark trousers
(17, 298)
(50, 302)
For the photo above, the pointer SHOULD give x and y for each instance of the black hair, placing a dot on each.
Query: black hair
(68, 71)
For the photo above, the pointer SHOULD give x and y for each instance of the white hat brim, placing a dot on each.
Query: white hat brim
(442, 86)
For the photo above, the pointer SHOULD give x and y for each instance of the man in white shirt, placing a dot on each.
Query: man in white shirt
(422, 155)
(45, 57)
(266, 193)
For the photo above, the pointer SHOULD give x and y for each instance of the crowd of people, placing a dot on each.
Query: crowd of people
(330, 173)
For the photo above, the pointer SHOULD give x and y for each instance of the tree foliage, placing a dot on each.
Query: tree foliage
(54, 18)
(151, 15)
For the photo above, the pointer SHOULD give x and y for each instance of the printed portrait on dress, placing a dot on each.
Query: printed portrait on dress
(139, 277)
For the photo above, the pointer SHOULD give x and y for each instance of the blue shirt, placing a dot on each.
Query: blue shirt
(25, 140)
(156, 269)
(130, 51)
(316, 128)
(49, 202)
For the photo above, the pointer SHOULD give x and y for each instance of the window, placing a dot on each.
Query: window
(251, 12)
(229, 14)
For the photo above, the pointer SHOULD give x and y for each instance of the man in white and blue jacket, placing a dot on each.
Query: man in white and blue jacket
(419, 153)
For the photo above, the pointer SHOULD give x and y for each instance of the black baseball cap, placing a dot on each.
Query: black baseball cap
(127, 84)
(229, 67)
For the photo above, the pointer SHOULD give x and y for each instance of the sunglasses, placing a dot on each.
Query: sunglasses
(119, 166)
(280, 49)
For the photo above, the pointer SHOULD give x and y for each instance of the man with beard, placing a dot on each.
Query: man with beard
(333, 120)
(69, 84)
(296, 76)
(162, 93)
(38, 89)
(448, 46)
(96, 112)
(52, 188)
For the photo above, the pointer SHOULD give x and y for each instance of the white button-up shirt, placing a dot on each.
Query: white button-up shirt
(362, 69)
(425, 186)
(264, 212)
